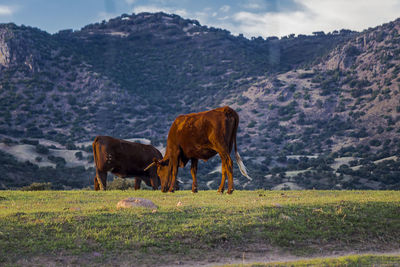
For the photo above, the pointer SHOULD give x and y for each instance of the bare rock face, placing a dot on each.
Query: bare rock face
(4, 49)
(133, 202)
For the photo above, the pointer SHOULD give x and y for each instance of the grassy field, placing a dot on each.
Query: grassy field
(348, 261)
(86, 228)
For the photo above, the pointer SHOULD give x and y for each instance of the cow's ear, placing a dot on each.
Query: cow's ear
(164, 162)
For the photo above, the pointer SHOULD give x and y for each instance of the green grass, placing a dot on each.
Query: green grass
(348, 261)
(85, 225)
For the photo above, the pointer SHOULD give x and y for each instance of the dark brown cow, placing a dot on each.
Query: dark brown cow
(124, 159)
(200, 136)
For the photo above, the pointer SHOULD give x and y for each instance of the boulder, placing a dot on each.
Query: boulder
(133, 202)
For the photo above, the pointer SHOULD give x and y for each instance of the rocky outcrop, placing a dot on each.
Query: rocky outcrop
(4, 48)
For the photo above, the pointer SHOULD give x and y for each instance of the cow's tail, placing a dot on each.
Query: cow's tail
(95, 151)
(239, 161)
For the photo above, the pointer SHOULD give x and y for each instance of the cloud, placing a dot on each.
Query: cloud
(251, 24)
(224, 18)
(316, 15)
(154, 9)
(225, 8)
(6, 10)
(251, 5)
(356, 15)
(106, 15)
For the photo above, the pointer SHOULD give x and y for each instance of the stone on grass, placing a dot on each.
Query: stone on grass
(133, 202)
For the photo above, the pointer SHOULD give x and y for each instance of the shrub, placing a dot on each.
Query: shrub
(37, 187)
(306, 75)
(281, 98)
(89, 158)
(297, 95)
(7, 141)
(71, 100)
(59, 161)
(70, 146)
(360, 134)
(120, 184)
(380, 130)
(290, 109)
(30, 142)
(34, 132)
(241, 100)
(281, 159)
(375, 142)
(292, 87)
(251, 124)
(79, 155)
(352, 51)
(319, 103)
(41, 149)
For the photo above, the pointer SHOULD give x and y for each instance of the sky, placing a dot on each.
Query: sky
(252, 18)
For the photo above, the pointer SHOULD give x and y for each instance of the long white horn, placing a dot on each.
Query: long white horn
(151, 165)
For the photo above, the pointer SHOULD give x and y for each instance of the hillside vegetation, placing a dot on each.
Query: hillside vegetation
(86, 228)
(318, 111)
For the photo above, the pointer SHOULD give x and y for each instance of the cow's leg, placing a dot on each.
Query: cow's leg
(137, 183)
(154, 184)
(193, 171)
(149, 183)
(174, 173)
(96, 184)
(101, 179)
(222, 185)
(153, 179)
(227, 171)
(176, 185)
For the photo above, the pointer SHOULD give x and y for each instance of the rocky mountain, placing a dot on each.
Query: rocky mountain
(317, 111)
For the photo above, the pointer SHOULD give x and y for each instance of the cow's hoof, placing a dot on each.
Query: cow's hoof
(220, 192)
(230, 192)
(194, 190)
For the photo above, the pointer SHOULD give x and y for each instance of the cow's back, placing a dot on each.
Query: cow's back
(122, 157)
(197, 133)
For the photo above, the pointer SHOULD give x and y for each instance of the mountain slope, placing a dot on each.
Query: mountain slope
(347, 104)
(304, 102)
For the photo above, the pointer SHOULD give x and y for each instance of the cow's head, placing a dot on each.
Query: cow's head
(163, 172)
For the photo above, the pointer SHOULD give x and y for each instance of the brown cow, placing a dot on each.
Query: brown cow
(200, 136)
(124, 159)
